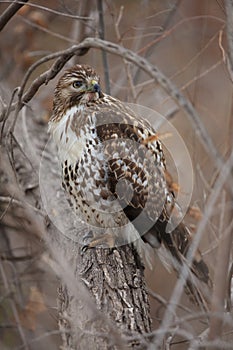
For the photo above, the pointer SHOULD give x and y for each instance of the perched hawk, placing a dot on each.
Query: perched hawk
(114, 171)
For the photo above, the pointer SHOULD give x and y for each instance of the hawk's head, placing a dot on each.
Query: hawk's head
(78, 85)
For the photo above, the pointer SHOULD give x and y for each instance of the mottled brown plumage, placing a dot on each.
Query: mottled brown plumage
(113, 168)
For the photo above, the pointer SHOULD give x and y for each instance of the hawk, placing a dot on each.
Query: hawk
(114, 170)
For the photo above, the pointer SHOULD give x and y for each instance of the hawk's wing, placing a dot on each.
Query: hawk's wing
(136, 177)
(135, 167)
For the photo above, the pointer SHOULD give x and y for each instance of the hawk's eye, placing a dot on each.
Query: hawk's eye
(77, 84)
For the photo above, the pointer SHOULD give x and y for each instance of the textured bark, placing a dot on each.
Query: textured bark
(115, 280)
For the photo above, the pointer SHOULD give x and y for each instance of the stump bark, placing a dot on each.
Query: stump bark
(114, 280)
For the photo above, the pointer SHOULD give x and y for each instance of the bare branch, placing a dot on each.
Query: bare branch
(220, 279)
(208, 211)
(14, 308)
(43, 79)
(10, 12)
(229, 288)
(47, 9)
(16, 258)
(11, 200)
(229, 14)
(171, 13)
(126, 64)
(45, 30)
(104, 55)
(141, 62)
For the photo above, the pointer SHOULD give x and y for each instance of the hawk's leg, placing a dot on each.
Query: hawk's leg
(106, 240)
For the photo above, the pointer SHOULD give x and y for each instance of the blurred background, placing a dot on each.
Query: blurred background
(186, 40)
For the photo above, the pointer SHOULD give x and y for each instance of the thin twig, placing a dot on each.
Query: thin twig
(11, 200)
(10, 12)
(43, 79)
(16, 258)
(47, 31)
(152, 70)
(200, 52)
(14, 309)
(220, 35)
(201, 75)
(6, 109)
(104, 54)
(184, 271)
(220, 278)
(35, 340)
(229, 14)
(229, 288)
(126, 64)
(181, 22)
(80, 29)
(23, 152)
(6, 209)
(164, 26)
(227, 231)
(47, 9)
(164, 302)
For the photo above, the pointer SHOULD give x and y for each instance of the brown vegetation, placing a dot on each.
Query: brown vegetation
(173, 57)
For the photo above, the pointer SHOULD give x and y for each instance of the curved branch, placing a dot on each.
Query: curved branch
(145, 65)
(10, 12)
(47, 9)
(229, 14)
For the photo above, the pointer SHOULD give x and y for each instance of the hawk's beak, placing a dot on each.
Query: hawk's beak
(94, 87)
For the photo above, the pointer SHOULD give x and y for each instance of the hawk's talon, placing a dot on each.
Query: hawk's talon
(85, 248)
(87, 237)
(105, 240)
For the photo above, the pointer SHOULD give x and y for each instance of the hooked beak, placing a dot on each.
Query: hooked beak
(94, 87)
